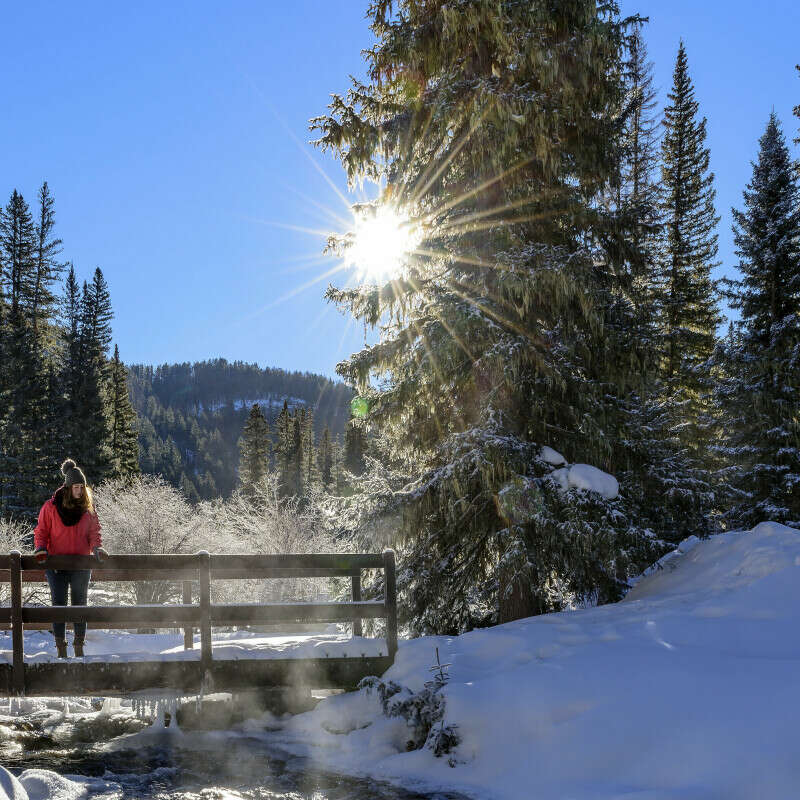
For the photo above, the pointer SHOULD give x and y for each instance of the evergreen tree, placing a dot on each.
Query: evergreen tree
(255, 446)
(91, 426)
(17, 243)
(22, 433)
(47, 266)
(310, 467)
(665, 483)
(284, 448)
(760, 388)
(325, 460)
(354, 448)
(124, 443)
(690, 316)
(493, 336)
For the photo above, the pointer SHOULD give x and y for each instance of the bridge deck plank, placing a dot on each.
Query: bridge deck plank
(53, 679)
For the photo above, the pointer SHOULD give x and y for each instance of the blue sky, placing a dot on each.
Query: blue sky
(173, 136)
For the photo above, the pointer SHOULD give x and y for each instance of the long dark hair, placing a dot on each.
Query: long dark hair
(84, 503)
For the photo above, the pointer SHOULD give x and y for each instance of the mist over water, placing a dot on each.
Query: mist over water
(118, 756)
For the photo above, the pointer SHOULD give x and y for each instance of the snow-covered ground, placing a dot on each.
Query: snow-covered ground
(117, 646)
(689, 688)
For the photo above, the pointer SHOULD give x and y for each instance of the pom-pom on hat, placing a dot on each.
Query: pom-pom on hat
(71, 473)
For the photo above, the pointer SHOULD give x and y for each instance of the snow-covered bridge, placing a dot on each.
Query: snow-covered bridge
(197, 670)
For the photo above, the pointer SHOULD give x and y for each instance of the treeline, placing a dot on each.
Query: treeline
(302, 465)
(60, 392)
(191, 417)
(561, 299)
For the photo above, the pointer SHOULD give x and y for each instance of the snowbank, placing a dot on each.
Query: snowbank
(686, 689)
(118, 646)
(39, 784)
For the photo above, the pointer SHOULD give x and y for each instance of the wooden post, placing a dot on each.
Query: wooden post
(188, 631)
(18, 661)
(390, 599)
(205, 608)
(357, 630)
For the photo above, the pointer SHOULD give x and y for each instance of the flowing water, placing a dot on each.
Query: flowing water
(119, 756)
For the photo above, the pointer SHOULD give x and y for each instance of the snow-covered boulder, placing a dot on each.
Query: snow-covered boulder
(586, 477)
(552, 457)
(10, 787)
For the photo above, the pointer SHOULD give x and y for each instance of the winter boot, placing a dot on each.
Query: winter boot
(78, 645)
(61, 648)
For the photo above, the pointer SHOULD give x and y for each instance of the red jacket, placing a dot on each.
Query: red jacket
(62, 540)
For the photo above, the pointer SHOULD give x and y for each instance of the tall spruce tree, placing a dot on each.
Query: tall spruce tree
(663, 479)
(123, 441)
(496, 126)
(254, 448)
(47, 266)
(23, 434)
(759, 392)
(688, 302)
(91, 426)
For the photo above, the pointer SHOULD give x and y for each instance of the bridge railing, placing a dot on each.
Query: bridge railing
(202, 568)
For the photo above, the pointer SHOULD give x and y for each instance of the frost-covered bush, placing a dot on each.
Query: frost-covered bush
(423, 712)
(263, 522)
(15, 535)
(147, 515)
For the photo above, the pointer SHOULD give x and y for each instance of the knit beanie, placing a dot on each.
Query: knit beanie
(71, 473)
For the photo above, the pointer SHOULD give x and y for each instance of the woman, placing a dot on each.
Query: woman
(68, 525)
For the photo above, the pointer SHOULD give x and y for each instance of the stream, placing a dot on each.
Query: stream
(118, 756)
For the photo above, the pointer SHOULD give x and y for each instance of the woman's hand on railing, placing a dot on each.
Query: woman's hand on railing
(40, 554)
(100, 553)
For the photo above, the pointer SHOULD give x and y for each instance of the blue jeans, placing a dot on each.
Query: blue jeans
(77, 580)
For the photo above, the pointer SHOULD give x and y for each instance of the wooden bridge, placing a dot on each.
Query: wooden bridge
(79, 677)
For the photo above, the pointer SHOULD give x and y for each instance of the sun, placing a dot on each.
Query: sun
(381, 242)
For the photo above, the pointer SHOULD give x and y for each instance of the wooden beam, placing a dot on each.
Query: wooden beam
(356, 583)
(205, 609)
(295, 612)
(18, 658)
(239, 564)
(66, 678)
(132, 615)
(99, 575)
(188, 631)
(390, 599)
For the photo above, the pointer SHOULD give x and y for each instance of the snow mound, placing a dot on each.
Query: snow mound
(10, 787)
(42, 784)
(686, 689)
(588, 478)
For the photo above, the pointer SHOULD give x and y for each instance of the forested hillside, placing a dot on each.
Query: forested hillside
(191, 416)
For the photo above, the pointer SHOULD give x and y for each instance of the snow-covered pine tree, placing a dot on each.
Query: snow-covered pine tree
(124, 442)
(496, 125)
(759, 390)
(689, 313)
(255, 450)
(665, 483)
